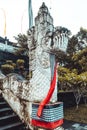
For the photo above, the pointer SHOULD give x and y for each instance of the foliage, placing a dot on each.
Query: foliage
(61, 57)
(73, 64)
(10, 62)
(20, 62)
(80, 60)
(7, 68)
(76, 44)
(72, 48)
(17, 67)
(70, 80)
(22, 42)
(62, 71)
(66, 77)
(82, 34)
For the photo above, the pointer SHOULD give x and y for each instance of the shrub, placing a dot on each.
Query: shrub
(6, 68)
(20, 62)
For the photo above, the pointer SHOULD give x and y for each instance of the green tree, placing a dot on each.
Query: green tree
(22, 40)
(80, 60)
(82, 34)
(72, 81)
(22, 43)
(72, 46)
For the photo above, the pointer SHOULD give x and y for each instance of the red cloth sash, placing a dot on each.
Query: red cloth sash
(49, 95)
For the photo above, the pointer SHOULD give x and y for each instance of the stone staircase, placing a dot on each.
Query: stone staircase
(8, 119)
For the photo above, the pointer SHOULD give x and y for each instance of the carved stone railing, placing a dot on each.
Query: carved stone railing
(15, 90)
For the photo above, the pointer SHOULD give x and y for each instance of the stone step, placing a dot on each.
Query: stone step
(9, 119)
(14, 126)
(5, 111)
(1, 98)
(3, 104)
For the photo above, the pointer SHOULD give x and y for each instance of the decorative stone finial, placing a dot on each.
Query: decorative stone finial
(43, 5)
(43, 8)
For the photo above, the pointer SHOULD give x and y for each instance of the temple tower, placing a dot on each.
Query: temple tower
(43, 23)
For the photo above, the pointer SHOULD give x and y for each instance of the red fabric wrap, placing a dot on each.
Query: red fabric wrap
(49, 95)
(47, 125)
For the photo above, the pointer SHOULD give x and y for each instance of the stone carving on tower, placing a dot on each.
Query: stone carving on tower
(43, 40)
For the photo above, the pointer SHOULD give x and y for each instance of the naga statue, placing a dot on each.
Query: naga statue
(43, 41)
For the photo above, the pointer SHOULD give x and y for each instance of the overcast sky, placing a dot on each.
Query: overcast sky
(71, 14)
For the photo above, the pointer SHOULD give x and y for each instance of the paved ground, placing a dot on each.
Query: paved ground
(70, 125)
